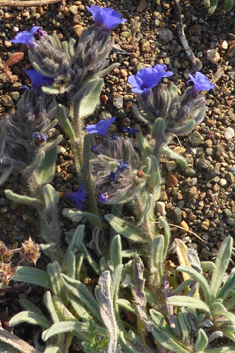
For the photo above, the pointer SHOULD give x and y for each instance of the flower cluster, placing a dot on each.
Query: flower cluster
(33, 119)
(158, 100)
(116, 182)
(62, 65)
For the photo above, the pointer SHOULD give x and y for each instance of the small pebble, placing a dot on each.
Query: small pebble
(118, 101)
(229, 133)
(212, 56)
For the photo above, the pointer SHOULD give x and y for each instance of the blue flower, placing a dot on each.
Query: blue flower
(78, 196)
(26, 37)
(201, 82)
(122, 166)
(39, 137)
(38, 79)
(108, 18)
(101, 128)
(130, 131)
(148, 78)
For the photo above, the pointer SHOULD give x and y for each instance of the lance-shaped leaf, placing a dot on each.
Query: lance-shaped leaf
(182, 300)
(221, 264)
(116, 251)
(138, 289)
(107, 311)
(167, 235)
(23, 199)
(30, 318)
(142, 117)
(79, 290)
(200, 279)
(201, 342)
(180, 159)
(45, 172)
(13, 344)
(229, 349)
(74, 244)
(128, 230)
(157, 249)
(87, 98)
(75, 216)
(79, 329)
(33, 276)
(64, 121)
(143, 143)
(228, 287)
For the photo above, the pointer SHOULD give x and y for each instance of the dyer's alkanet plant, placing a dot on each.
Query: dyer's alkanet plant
(137, 303)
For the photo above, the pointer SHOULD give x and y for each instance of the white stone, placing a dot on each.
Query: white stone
(161, 208)
(229, 133)
(212, 56)
(61, 149)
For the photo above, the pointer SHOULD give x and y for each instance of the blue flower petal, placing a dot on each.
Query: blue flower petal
(78, 196)
(201, 82)
(26, 37)
(105, 16)
(38, 79)
(101, 128)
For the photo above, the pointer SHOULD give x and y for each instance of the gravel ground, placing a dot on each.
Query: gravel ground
(200, 199)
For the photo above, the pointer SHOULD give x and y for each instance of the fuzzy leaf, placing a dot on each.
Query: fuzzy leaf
(228, 287)
(80, 329)
(107, 311)
(221, 264)
(30, 318)
(75, 216)
(126, 229)
(180, 159)
(45, 172)
(167, 235)
(79, 290)
(228, 4)
(64, 121)
(27, 305)
(116, 251)
(201, 342)
(33, 276)
(87, 98)
(182, 300)
(200, 279)
(126, 305)
(229, 349)
(23, 199)
(10, 340)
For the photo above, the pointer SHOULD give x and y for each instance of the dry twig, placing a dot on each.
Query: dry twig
(197, 65)
(28, 3)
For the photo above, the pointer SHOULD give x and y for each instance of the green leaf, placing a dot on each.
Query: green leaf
(143, 143)
(75, 216)
(50, 307)
(212, 7)
(61, 310)
(80, 329)
(182, 286)
(46, 170)
(79, 290)
(229, 349)
(174, 155)
(228, 4)
(126, 229)
(51, 198)
(54, 272)
(125, 304)
(221, 264)
(64, 121)
(79, 308)
(157, 258)
(228, 287)
(201, 342)
(182, 300)
(199, 278)
(27, 305)
(167, 235)
(13, 344)
(88, 97)
(30, 318)
(33, 276)
(23, 199)
(116, 251)
(207, 266)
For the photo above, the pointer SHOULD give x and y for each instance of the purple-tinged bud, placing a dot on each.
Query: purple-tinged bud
(94, 149)
(40, 137)
(104, 197)
(130, 131)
